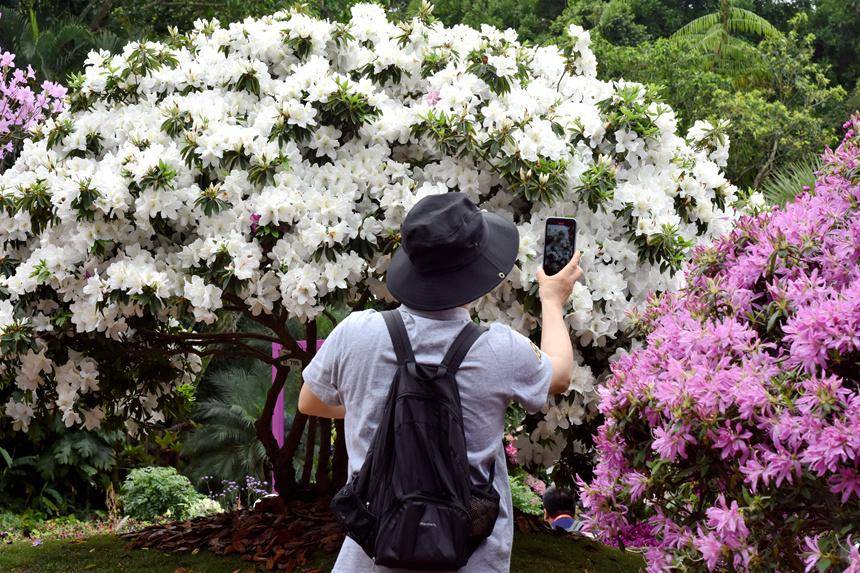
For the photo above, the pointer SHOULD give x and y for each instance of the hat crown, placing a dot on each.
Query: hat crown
(443, 232)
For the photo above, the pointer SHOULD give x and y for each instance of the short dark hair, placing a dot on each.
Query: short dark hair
(559, 501)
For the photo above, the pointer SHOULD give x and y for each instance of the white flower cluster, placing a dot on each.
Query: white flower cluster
(272, 161)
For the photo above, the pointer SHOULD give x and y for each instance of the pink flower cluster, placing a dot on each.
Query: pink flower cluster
(537, 485)
(22, 105)
(511, 451)
(733, 435)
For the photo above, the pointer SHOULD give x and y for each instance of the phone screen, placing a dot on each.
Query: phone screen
(559, 243)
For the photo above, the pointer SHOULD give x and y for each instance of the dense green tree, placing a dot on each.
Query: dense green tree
(615, 20)
(780, 112)
(785, 116)
(836, 24)
(524, 16)
(155, 17)
(651, 19)
(681, 79)
(777, 12)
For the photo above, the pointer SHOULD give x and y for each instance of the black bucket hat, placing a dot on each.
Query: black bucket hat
(451, 253)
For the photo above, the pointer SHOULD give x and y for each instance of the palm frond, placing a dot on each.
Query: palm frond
(58, 48)
(790, 180)
(107, 40)
(700, 25)
(711, 41)
(12, 27)
(216, 413)
(225, 444)
(747, 22)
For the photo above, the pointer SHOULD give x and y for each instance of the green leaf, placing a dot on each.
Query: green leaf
(6, 457)
(771, 322)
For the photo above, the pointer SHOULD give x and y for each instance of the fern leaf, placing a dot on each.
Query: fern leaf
(789, 181)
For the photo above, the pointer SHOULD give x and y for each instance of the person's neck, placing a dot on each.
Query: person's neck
(455, 313)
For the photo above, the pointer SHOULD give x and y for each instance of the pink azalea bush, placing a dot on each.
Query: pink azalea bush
(732, 438)
(22, 104)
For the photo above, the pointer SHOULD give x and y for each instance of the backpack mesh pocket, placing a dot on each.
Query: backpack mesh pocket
(483, 512)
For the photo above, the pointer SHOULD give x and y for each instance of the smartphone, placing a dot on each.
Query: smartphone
(559, 243)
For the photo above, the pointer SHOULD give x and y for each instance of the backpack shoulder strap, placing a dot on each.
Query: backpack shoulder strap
(461, 346)
(399, 336)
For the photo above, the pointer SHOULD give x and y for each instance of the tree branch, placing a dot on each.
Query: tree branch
(768, 164)
(211, 336)
(362, 300)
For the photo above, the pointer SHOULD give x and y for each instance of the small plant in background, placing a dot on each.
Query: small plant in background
(204, 506)
(23, 104)
(153, 493)
(232, 495)
(526, 490)
(524, 497)
(732, 438)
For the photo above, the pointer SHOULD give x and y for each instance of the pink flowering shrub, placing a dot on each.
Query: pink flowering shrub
(22, 105)
(733, 436)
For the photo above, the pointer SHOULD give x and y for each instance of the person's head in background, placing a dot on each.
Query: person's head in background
(559, 507)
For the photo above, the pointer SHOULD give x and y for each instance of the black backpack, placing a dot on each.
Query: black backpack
(412, 504)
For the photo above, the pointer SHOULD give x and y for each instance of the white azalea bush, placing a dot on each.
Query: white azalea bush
(265, 168)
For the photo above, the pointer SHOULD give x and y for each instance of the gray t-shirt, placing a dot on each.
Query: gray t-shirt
(356, 365)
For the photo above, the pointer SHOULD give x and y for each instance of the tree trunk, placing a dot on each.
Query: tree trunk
(310, 446)
(281, 457)
(331, 470)
(323, 480)
(100, 16)
(339, 465)
(285, 461)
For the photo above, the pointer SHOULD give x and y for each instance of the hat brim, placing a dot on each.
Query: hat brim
(449, 289)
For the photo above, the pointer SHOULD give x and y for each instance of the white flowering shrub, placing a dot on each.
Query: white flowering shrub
(265, 168)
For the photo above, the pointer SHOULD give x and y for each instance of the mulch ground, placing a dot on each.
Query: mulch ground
(277, 536)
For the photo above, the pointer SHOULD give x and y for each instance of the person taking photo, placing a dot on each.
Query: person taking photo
(451, 254)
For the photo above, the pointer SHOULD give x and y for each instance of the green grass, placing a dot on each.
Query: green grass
(551, 554)
(106, 554)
